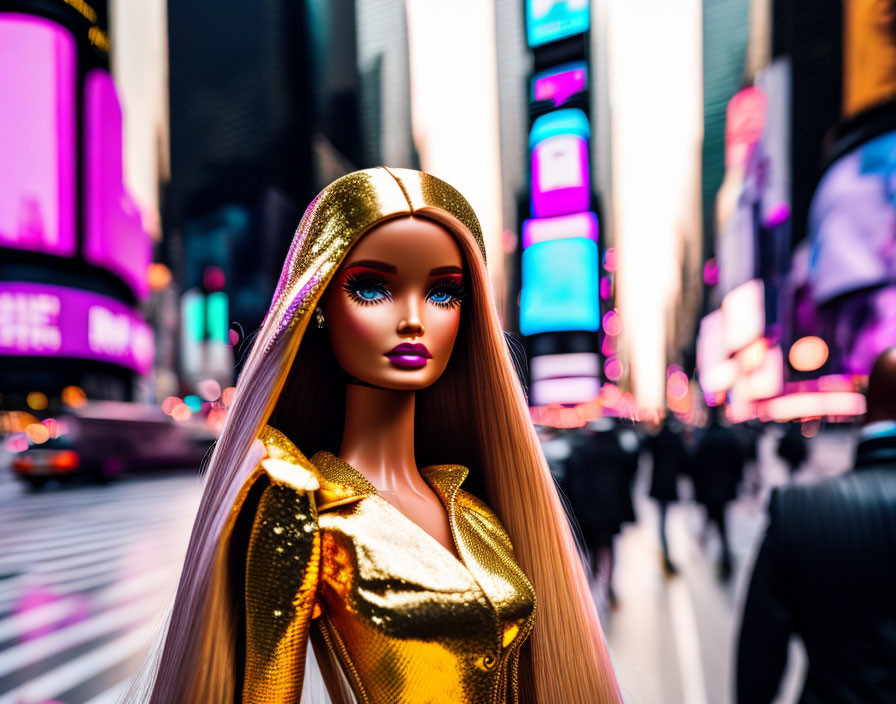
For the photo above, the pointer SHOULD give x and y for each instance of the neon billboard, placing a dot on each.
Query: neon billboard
(550, 20)
(561, 83)
(39, 320)
(113, 233)
(561, 179)
(559, 291)
(37, 139)
(544, 229)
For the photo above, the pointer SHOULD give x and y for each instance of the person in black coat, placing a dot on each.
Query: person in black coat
(669, 460)
(600, 470)
(792, 447)
(826, 572)
(717, 470)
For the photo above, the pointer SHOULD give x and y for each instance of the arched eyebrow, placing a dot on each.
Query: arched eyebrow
(390, 269)
(441, 270)
(373, 264)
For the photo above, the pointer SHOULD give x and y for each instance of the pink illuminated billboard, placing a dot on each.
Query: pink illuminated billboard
(561, 181)
(113, 232)
(37, 135)
(38, 320)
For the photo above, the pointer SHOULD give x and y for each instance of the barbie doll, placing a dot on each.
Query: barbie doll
(333, 509)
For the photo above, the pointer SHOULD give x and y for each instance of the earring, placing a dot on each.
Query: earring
(319, 317)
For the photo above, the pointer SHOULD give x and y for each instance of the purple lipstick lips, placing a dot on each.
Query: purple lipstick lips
(409, 356)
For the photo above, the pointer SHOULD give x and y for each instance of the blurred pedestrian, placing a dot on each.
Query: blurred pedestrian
(601, 467)
(717, 470)
(792, 447)
(826, 572)
(669, 460)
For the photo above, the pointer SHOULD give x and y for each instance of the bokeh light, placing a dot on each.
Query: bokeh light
(37, 433)
(159, 276)
(170, 403)
(17, 442)
(227, 396)
(213, 278)
(193, 402)
(52, 426)
(37, 401)
(612, 323)
(677, 385)
(216, 419)
(181, 412)
(74, 396)
(209, 389)
(610, 259)
(613, 369)
(808, 354)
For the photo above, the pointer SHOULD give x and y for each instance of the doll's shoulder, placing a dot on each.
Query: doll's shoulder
(283, 463)
(482, 513)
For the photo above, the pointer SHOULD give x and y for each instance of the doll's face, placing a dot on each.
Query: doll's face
(392, 310)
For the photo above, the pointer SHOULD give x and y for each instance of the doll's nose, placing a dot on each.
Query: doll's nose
(410, 323)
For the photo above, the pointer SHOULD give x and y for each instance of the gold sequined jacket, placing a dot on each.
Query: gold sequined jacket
(390, 611)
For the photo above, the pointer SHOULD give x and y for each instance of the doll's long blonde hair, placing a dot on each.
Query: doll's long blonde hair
(475, 414)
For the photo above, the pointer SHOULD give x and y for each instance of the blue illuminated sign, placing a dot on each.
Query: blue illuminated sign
(550, 20)
(560, 287)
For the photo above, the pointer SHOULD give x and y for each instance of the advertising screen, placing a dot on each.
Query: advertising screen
(37, 135)
(38, 320)
(852, 222)
(743, 313)
(575, 225)
(550, 20)
(869, 55)
(560, 173)
(559, 291)
(114, 235)
(560, 84)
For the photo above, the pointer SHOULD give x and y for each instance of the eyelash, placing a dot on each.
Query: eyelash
(365, 281)
(454, 288)
(368, 281)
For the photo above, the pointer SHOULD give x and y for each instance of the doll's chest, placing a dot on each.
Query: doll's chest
(384, 571)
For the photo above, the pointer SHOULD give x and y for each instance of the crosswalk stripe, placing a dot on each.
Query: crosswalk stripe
(57, 611)
(112, 695)
(79, 670)
(118, 619)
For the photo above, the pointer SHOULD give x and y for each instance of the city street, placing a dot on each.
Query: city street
(673, 639)
(85, 571)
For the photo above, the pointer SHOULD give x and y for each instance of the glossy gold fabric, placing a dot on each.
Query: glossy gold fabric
(343, 212)
(407, 621)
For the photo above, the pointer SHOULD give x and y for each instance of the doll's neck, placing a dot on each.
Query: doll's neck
(378, 437)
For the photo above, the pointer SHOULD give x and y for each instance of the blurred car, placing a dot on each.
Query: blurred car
(103, 440)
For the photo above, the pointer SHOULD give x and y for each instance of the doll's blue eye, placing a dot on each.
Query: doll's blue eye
(370, 294)
(366, 288)
(446, 293)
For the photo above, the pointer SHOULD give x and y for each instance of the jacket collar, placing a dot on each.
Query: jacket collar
(877, 450)
(340, 483)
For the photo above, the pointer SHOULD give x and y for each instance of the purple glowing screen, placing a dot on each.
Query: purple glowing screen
(38, 320)
(852, 222)
(560, 176)
(560, 85)
(37, 135)
(114, 235)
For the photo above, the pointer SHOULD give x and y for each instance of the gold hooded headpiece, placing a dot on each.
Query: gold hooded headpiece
(340, 215)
